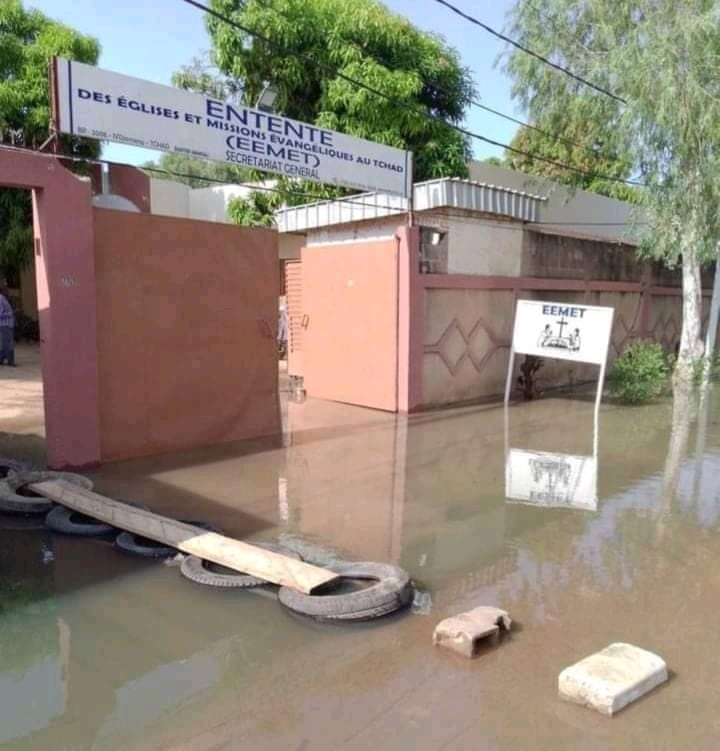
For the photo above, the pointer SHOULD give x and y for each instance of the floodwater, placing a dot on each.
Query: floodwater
(103, 652)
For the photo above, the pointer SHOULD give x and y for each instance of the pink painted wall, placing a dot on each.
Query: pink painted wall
(187, 324)
(350, 345)
(66, 293)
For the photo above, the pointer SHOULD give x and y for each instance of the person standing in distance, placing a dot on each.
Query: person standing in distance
(7, 329)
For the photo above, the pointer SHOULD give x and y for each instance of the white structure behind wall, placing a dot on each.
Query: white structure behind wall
(210, 205)
(169, 198)
(475, 244)
(597, 216)
(486, 247)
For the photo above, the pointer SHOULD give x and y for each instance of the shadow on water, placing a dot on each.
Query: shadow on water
(111, 652)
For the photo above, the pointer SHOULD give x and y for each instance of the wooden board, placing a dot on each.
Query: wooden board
(225, 551)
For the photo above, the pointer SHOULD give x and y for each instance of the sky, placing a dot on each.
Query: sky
(151, 39)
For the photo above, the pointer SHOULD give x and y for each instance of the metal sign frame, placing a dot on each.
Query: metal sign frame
(603, 364)
(103, 105)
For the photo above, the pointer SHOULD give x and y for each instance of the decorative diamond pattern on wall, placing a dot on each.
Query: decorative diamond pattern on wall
(625, 333)
(456, 345)
(666, 331)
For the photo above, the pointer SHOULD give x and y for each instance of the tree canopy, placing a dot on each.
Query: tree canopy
(28, 39)
(365, 42)
(658, 59)
(595, 169)
(314, 45)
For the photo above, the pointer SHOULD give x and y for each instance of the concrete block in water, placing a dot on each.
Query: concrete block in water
(613, 678)
(464, 633)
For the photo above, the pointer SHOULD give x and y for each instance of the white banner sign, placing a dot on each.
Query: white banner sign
(545, 479)
(566, 331)
(96, 103)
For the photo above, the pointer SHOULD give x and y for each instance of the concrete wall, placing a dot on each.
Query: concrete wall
(66, 294)
(169, 198)
(28, 292)
(467, 331)
(465, 344)
(350, 344)
(476, 244)
(576, 213)
(484, 247)
(187, 315)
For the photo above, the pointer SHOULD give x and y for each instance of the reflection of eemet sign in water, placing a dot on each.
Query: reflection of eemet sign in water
(551, 480)
(95, 103)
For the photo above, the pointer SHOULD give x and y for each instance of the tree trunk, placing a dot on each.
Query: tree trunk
(684, 412)
(691, 345)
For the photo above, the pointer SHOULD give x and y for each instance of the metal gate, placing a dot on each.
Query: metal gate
(297, 320)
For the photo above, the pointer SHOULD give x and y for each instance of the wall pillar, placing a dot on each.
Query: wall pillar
(65, 279)
(65, 269)
(411, 320)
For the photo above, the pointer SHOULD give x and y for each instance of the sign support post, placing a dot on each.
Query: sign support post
(508, 380)
(596, 414)
(563, 331)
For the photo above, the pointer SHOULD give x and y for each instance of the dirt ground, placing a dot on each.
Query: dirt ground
(22, 422)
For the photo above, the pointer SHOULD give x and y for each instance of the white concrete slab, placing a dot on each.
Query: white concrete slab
(463, 633)
(612, 678)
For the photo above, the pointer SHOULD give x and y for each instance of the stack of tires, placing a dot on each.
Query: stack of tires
(389, 588)
(365, 590)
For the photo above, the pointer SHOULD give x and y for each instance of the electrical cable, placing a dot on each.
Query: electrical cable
(537, 56)
(316, 199)
(406, 105)
(476, 103)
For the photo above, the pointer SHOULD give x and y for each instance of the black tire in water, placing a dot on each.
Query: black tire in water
(67, 521)
(212, 575)
(11, 465)
(390, 592)
(16, 499)
(134, 544)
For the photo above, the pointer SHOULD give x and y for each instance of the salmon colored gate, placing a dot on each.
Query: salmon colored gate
(157, 334)
(187, 343)
(350, 303)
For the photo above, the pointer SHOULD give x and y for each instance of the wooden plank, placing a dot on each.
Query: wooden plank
(225, 551)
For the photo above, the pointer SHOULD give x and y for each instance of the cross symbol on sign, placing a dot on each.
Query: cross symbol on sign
(563, 323)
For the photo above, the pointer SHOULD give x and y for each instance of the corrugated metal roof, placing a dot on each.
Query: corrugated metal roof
(434, 194)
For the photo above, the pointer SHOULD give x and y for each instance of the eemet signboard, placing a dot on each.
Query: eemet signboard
(565, 331)
(96, 103)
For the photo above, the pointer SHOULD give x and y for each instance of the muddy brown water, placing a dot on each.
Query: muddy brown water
(100, 651)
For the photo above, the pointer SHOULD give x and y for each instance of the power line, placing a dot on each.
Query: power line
(405, 105)
(530, 52)
(339, 199)
(266, 188)
(476, 103)
(219, 181)
(269, 189)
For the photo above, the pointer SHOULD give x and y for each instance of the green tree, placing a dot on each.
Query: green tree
(367, 43)
(257, 210)
(576, 145)
(659, 60)
(28, 39)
